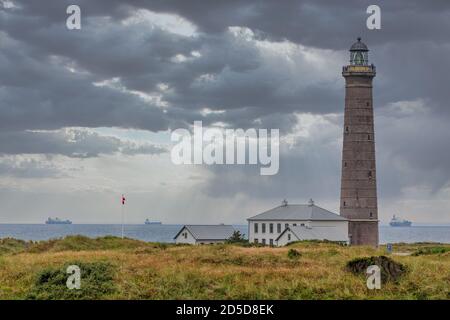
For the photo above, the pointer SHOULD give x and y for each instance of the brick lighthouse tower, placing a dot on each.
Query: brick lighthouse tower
(358, 182)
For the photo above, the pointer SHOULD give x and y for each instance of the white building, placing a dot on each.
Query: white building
(294, 222)
(204, 234)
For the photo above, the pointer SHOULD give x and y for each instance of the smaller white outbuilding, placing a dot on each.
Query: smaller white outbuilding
(204, 234)
(300, 233)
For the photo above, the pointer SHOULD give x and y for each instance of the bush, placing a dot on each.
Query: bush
(293, 254)
(431, 250)
(390, 270)
(81, 243)
(96, 282)
(237, 237)
(10, 245)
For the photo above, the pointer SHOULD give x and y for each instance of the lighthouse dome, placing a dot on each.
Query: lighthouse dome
(359, 46)
(359, 54)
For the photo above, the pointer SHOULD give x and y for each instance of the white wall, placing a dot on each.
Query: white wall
(328, 230)
(284, 239)
(339, 230)
(338, 233)
(189, 239)
(267, 235)
(185, 237)
(210, 241)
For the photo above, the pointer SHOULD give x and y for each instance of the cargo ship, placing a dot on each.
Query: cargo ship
(396, 222)
(152, 222)
(57, 221)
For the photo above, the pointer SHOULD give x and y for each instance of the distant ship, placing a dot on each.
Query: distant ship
(396, 222)
(152, 222)
(57, 221)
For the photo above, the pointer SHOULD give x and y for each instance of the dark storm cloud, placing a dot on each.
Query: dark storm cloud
(234, 76)
(325, 23)
(71, 142)
(142, 56)
(37, 82)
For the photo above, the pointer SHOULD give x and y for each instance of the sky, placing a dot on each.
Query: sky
(86, 115)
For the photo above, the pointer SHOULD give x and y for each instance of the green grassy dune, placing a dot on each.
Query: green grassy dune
(112, 268)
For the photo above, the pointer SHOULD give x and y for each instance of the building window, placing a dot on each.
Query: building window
(294, 224)
(289, 236)
(256, 228)
(263, 227)
(278, 227)
(271, 242)
(302, 224)
(185, 235)
(271, 228)
(264, 241)
(256, 240)
(286, 225)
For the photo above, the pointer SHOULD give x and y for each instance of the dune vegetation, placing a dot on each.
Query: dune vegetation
(112, 268)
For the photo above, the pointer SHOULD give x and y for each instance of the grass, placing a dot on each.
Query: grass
(431, 250)
(113, 268)
(97, 282)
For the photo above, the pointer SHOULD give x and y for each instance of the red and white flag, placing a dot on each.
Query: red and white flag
(123, 200)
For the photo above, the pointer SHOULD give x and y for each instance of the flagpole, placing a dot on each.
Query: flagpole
(123, 217)
(123, 214)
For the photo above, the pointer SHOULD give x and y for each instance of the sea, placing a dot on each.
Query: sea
(166, 232)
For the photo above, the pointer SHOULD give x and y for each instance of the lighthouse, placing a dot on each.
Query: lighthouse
(358, 179)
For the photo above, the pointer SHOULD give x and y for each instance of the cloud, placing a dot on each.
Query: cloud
(158, 65)
(29, 167)
(71, 142)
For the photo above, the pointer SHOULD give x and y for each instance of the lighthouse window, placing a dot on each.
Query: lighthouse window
(346, 129)
(344, 204)
(368, 104)
(345, 164)
(368, 137)
(371, 215)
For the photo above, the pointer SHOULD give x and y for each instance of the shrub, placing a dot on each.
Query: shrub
(81, 243)
(96, 282)
(10, 245)
(293, 254)
(237, 237)
(431, 250)
(390, 270)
